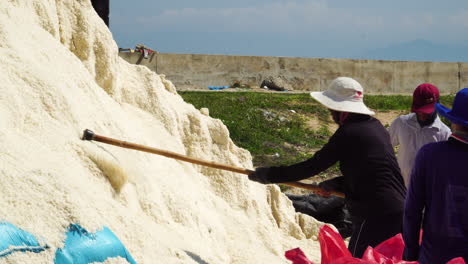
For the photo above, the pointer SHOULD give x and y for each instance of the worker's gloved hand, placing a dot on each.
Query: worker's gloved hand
(326, 186)
(334, 184)
(260, 175)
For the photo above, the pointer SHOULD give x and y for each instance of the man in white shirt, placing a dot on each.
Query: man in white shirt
(418, 128)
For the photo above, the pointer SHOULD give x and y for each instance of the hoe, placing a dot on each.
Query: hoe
(90, 135)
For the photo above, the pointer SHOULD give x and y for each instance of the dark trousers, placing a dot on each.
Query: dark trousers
(102, 8)
(372, 230)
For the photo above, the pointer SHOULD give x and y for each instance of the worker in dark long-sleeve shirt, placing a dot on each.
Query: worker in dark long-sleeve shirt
(437, 196)
(371, 180)
(102, 9)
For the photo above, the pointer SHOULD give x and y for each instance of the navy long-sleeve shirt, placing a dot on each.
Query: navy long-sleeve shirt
(372, 180)
(437, 200)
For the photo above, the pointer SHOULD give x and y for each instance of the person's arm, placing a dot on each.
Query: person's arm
(322, 160)
(446, 132)
(393, 131)
(414, 206)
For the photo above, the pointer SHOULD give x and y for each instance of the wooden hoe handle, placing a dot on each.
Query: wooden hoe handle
(90, 135)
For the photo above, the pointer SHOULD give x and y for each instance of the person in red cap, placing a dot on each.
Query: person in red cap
(412, 131)
(437, 197)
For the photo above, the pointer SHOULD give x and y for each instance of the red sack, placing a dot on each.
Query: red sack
(334, 251)
(351, 260)
(388, 252)
(297, 256)
(373, 256)
(332, 245)
(392, 248)
(457, 261)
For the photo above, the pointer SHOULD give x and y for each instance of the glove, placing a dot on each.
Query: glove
(334, 184)
(260, 175)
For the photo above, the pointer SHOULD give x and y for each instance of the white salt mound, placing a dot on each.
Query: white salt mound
(60, 73)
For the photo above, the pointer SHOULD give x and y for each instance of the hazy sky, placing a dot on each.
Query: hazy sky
(361, 29)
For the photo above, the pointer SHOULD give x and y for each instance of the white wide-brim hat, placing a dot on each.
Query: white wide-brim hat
(345, 95)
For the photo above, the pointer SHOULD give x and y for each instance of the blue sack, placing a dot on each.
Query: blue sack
(14, 239)
(82, 247)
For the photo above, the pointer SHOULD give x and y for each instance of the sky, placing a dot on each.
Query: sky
(421, 30)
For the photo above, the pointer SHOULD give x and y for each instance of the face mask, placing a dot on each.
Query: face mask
(335, 116)
(339, 117)
(428, 121)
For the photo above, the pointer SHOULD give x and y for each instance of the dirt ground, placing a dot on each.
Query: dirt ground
(385, 118)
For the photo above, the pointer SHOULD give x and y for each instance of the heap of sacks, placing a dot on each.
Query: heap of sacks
(334, 251)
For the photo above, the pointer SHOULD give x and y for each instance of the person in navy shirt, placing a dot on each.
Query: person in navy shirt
(437, 198)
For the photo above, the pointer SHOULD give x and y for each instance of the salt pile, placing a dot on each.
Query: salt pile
(60, 73)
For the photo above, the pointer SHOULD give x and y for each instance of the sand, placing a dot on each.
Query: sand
(60, 73)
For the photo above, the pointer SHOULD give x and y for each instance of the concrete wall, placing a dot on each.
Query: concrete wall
(198, 71)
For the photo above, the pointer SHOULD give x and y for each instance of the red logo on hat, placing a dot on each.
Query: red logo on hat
(358, 95)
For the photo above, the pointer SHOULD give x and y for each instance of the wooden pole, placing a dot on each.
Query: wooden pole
(89, 135)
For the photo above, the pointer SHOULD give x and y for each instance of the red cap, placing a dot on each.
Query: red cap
(425, 97)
